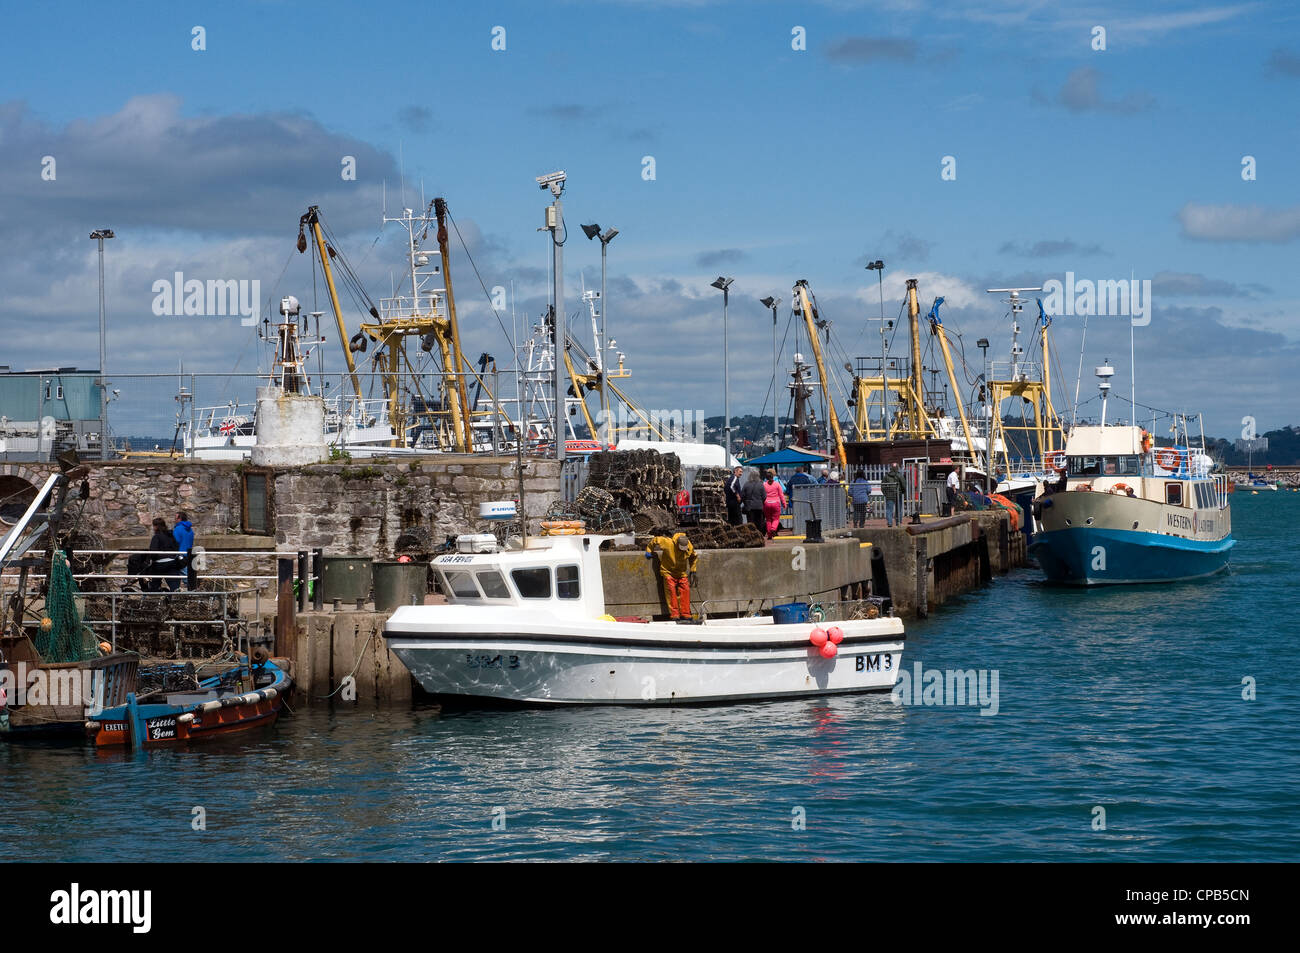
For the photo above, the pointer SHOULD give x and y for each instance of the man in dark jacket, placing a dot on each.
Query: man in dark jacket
(184, 535)
(894, 487)
(802, 476)
(733, 487)
(751, 500)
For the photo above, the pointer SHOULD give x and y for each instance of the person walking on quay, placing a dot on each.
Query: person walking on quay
(734, 486)
(165, 565)
(860, 493)
(954, 490)
(774, 500)
(752, 497)
(677, 563)
(895, 490)
(183, 532)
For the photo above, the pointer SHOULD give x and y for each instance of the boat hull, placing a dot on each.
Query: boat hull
(69, 690)
(1070, 557)
(644, 667)
(186, 717)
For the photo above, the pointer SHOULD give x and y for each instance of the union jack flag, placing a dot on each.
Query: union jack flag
(228, 426)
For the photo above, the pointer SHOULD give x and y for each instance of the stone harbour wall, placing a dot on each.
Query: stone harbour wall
(362, 507)
(343, 508)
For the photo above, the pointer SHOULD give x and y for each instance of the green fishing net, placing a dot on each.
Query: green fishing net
(62, 637)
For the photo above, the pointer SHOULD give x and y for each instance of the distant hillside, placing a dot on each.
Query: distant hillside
(1283, 450)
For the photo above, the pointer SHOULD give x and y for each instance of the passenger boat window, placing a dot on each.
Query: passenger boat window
(462, 584)
(493, 586)
(1129, 466)
(1174, 494)
(1085, 466)
(533, 583)
(566, 582)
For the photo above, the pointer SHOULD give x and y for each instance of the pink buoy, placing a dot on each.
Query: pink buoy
(829, 650)
(835, 634)
(818, 636)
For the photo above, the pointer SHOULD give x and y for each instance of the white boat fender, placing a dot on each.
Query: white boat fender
(186, 718)
(211, 706)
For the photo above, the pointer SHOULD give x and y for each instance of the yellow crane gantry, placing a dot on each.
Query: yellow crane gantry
(803, 298)
(422, 319)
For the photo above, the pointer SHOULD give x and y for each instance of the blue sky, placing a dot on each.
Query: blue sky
(771, 164)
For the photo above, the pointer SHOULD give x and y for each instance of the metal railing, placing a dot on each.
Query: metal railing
(829, 610)
(165, 576)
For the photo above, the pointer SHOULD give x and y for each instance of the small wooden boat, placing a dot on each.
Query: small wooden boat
(242, 698)
(50, 700)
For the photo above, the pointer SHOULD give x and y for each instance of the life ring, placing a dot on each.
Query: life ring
(1168, 459)
(1055, 460)
(1146, 442)
(1085, 487)
(1119, 488)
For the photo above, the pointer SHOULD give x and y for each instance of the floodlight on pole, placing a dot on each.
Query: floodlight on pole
(592, 231)
(99, 235)
(773, 302)
(723, 284)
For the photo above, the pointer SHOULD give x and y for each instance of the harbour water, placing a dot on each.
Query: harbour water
(1125, 701)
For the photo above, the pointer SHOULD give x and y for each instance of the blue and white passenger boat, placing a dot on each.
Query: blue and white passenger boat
(1124, 511)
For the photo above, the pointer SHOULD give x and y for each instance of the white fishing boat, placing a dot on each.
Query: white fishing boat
(1126, 511)
(528, 625)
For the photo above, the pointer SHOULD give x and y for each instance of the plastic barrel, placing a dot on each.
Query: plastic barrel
(399, 584)
(346, 578)
(790, 613)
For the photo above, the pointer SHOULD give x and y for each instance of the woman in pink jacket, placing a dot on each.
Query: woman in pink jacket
(773, 500)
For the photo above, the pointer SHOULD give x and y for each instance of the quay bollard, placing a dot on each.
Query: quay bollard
(285, 619)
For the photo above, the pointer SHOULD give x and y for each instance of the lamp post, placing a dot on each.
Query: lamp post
(878, 267)
(555, 224)
(773, 302)
(593, 231)
(983, 345)
(722, 284)
(99, 235)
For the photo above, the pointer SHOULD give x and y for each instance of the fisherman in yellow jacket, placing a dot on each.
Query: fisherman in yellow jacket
(677, 563)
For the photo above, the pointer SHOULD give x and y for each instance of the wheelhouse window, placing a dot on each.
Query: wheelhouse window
(1174, 494)
(1106, 466)
(461, 584)
(493, 586)
(533, 583)
(566, 582)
